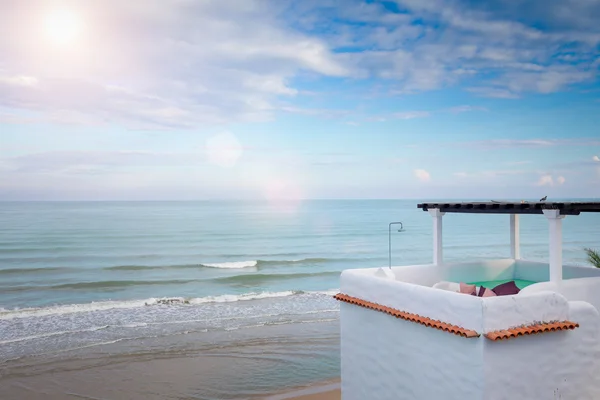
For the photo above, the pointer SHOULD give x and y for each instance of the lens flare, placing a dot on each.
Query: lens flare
(62, 27)
(283, 195)
(224, 150)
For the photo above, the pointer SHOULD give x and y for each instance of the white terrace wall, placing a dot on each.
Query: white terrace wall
(582, 289)
(472, 271)
(540, 272)
(481, 270)
(558, 365)
(477, 271)
(450, 307)
(385, 358)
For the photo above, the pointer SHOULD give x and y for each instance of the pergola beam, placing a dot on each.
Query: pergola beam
(501, 207)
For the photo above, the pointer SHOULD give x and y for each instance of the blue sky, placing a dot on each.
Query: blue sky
(182, 99)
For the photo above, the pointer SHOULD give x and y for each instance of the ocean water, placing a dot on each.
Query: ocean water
(79, 280)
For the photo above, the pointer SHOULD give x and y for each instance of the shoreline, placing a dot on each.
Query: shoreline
(290, 361)
(324, 390)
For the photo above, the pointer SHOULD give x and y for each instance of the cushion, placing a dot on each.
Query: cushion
(488, 293)
(445, 285)
(506, 289)
(467, 289)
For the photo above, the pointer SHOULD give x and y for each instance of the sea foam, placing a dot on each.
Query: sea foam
(233, 265)
(6, 314)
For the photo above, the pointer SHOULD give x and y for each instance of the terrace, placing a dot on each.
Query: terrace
(440, 330)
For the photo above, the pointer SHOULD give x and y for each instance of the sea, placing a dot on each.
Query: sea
(209, 299)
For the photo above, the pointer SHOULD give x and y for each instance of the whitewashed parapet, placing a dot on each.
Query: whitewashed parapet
(482, 315)
(449, 307)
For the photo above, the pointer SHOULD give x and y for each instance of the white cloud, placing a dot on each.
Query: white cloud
(20, 80)
(491, 39)
(531, 143)
(155, 63)
(596, 158)
(466, 108)
(422, 175)
(97, 161)
(411, 114)
(487, 175)
(494, 92)
(184, 64)
(549, 180)
(545, 180)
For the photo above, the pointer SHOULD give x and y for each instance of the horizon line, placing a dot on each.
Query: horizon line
(427, 199)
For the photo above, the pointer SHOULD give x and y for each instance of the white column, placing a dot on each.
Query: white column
(437, 235)
(515, 242)
(555, 226)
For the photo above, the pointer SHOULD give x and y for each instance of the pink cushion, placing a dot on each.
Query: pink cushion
(488, 293)
(467, 289)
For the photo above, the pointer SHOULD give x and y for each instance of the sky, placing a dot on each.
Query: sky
(284, 100)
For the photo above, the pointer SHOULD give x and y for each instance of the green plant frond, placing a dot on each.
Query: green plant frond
(593, 257)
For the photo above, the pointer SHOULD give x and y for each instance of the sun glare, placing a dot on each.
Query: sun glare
(62, 27)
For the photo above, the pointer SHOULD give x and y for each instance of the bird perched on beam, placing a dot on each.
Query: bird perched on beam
(543, 198)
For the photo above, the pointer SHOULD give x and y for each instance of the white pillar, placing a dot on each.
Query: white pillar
(437, 235)
(515, 242)
(555, 226)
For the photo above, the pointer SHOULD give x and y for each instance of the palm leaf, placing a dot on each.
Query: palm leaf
(593, 257)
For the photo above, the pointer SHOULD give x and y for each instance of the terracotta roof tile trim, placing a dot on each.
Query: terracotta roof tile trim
(457, 330)
(531, 330)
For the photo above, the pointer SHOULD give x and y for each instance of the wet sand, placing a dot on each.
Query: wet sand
(329, 390)
(328, 395)
(249, 364)
(152, 379)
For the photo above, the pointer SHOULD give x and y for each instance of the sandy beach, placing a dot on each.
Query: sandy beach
(327, 395)
(329, 390)
(270, 362)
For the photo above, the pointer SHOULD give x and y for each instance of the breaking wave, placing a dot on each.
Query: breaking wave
(228, 265)
(236, 280)
(234, 264)
(222, 265)
(8, 314)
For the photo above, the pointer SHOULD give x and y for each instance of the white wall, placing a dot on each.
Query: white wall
(558, 365)
(583, 289)
(573, 272)
(540, 272)
(477, 271)
(429, 274)
(450, 307)
(504, 312)
(385, 358)
(481, 270)
(532, 271)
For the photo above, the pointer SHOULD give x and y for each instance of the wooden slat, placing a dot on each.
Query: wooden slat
(566, 208)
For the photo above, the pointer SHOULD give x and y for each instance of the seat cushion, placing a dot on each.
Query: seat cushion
(506, 289)
(468, 289)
